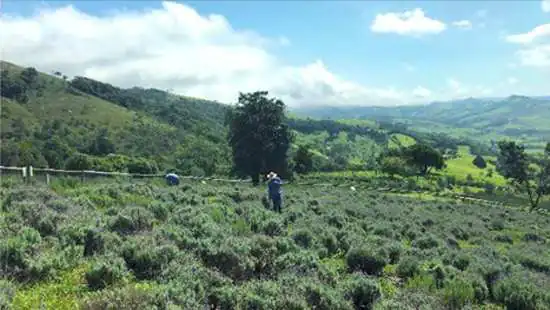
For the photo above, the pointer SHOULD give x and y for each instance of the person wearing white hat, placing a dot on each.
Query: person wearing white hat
(274, 190)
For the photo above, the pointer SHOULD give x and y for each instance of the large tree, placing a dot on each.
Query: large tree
(424, 158)
(303, 160)
(258, 136)
(530, 174)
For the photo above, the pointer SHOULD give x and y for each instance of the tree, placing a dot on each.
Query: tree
(392, 165)
(258, 136)
(424, 158)
(303, 160)
(531, 174)
(102, 145)
(479, 162)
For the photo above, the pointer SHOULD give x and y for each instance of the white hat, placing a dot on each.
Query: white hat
(271, 175)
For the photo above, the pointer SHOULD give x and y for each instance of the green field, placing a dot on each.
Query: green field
(144, 246)
(462, 166)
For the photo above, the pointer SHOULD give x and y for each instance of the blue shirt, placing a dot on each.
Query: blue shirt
(274, 187)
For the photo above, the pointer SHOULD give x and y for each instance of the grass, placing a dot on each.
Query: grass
(400, 140)
(462, 166)
(152, 246)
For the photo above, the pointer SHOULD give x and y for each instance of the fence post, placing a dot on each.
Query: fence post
(47, 178)
(24, 172)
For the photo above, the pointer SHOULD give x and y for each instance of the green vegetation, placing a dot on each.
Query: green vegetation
(529, 174)
(258, 136)
(137, 245)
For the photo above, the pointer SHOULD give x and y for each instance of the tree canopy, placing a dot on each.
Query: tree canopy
(528, 173)
(424, 158)
(258, 136)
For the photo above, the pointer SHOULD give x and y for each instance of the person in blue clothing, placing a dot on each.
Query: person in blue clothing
(172, 179)
(274, 190)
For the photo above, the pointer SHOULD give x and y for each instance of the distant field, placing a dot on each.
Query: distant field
(462, 166)
(400, 140)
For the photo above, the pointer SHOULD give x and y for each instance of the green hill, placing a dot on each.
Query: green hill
(519, 117)
(49, 121)
(42, 113)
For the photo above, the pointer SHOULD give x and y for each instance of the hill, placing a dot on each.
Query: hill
(42, 113)
(519, 117)
(48, 120)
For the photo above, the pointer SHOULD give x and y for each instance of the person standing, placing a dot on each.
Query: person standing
(274, 190)
(172, 179)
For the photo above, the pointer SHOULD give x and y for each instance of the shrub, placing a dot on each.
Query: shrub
(479, 162)
(93, 242)
(394, 252)
(146, 260)
(132, 220)
(126, 298)
(458, 293)
(365, 260)
(426, 242)
(517, 294)
(7, 292)
(363, 292)
(408, 267)
(497, 224)
(303, 237)
(105, 272)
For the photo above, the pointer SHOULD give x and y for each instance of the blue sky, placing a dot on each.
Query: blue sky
(455, 49)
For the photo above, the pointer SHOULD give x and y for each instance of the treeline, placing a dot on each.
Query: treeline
(333, 128)
(188, 114)
(441, 141)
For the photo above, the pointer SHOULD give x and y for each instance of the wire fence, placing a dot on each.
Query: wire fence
(47, 175)
(28, 173)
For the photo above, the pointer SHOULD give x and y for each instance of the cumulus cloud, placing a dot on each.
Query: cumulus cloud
(538, 56)
(545, 5)
(536, 46)
(421, 92)
(174, 47)
(460, 90)
(463, 24)
(408, 23)
(534, 36)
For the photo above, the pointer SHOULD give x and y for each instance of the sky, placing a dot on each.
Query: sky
(304, 52)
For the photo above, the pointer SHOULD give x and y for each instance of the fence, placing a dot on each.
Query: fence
(29, 172)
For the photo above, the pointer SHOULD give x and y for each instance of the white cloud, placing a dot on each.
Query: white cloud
(460, 90)
(545, 5)
(481, 13)
(421, 92)
(533, 36)
(536, 50)
(512, 80)
(411, 23)
(463, 24)
(455, 85)
(174, 47)
(538, 56)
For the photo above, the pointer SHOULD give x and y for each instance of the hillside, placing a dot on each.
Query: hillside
(42, 112)
(520, 117)
(48, 120)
